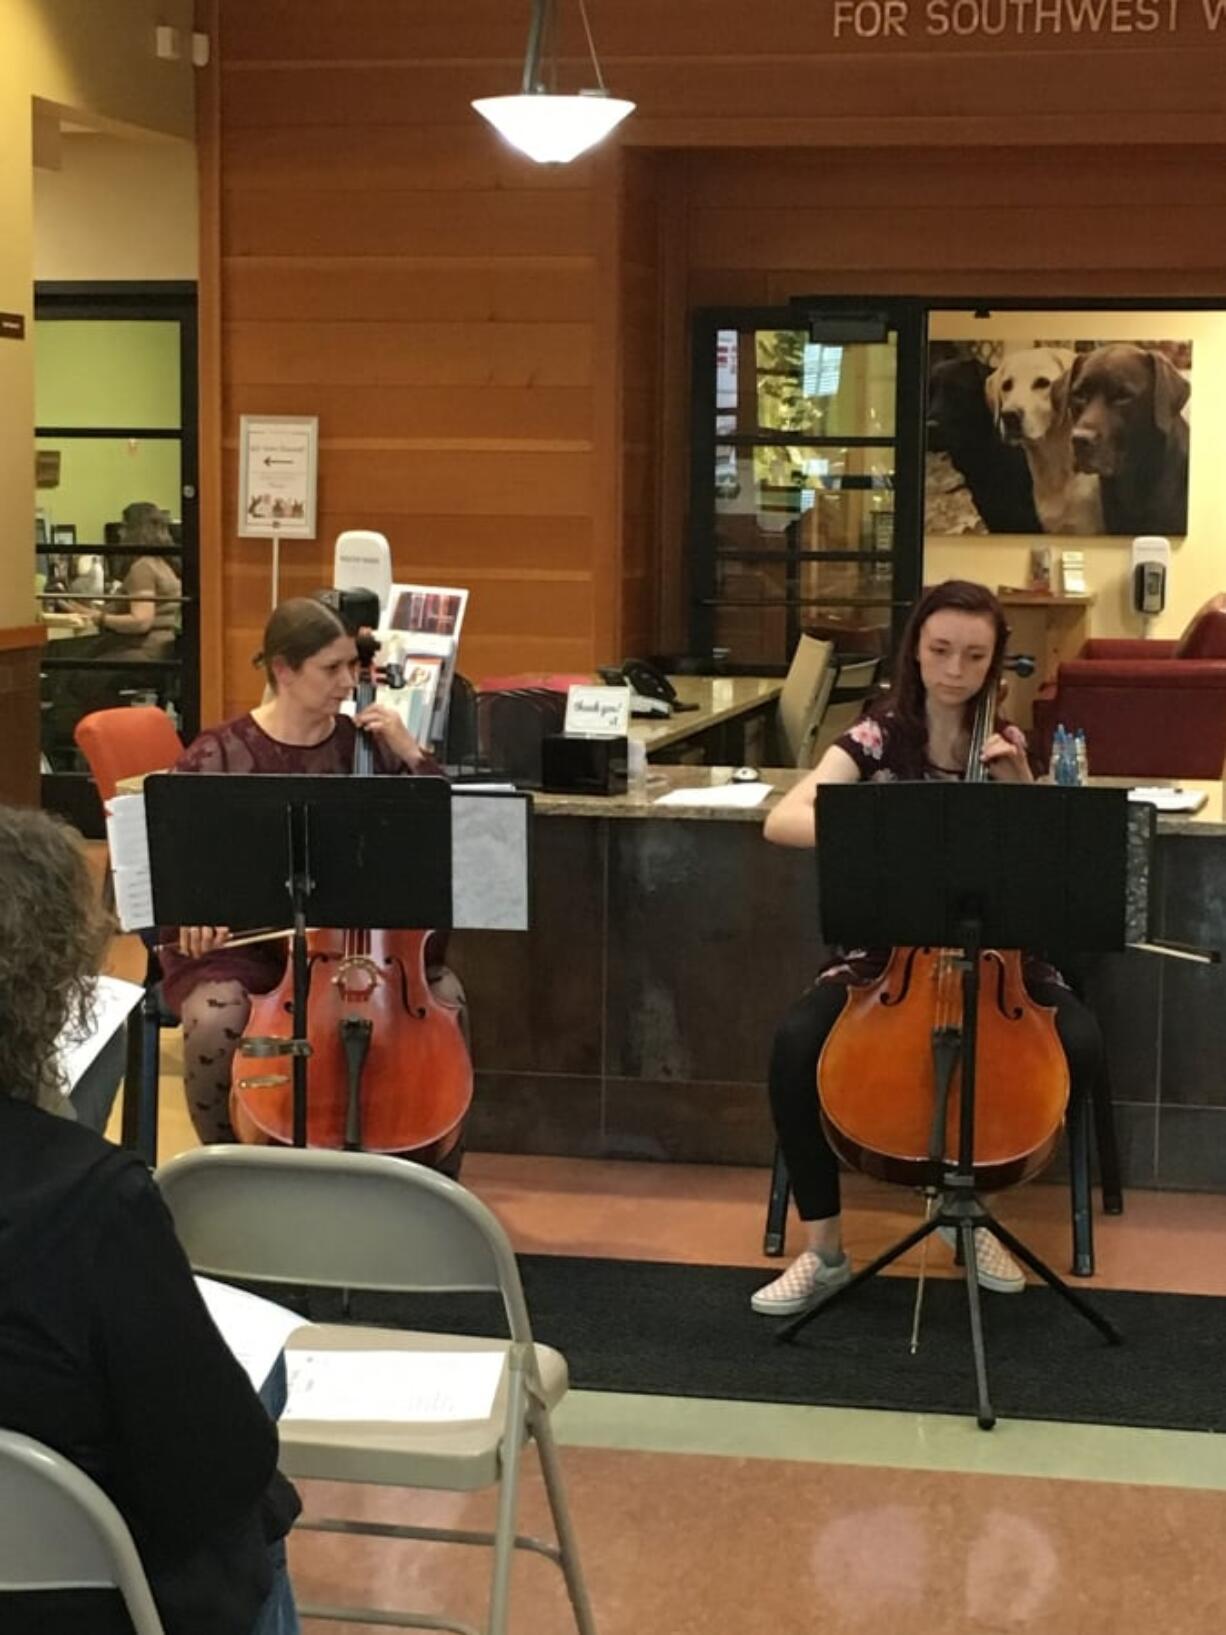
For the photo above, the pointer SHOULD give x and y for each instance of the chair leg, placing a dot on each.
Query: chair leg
(1078, 1128)
(551, 1470)
(777, 1206)
(508, 1492)
(1108, 1146)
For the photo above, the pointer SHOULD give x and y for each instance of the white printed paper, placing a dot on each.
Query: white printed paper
(736, 796)
(113, 1000)
(255, 1329)
(597, 712)
(402, 1386)
(129, 848)
(1170, 800)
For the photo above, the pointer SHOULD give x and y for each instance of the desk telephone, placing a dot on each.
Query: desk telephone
(651, 692)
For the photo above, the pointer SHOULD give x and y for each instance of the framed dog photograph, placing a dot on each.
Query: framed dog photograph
(1058, 437)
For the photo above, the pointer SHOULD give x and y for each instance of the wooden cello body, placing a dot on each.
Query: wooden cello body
(389, 1069)
(881, 1072)
(415, 1081)
(889, 1075)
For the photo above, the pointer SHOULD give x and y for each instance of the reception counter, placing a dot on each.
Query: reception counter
(635, 1018)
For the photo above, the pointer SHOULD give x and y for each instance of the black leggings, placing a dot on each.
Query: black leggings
(812, 1165)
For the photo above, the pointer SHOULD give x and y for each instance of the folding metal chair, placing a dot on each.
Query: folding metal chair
(61, 1532)
(365, 1221)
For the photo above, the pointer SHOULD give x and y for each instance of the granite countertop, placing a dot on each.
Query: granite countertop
(718, 698)
(1209, 821)
(660, 779)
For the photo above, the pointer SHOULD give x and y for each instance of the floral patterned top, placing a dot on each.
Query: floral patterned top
(882, 755)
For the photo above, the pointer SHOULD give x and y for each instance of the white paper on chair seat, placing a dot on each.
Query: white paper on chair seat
(393, 1385)
(255, 1329)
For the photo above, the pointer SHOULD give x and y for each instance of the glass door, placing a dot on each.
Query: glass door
(805, 507)
(115, 407)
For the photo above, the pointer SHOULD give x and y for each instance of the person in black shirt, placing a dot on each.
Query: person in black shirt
(107, 1352)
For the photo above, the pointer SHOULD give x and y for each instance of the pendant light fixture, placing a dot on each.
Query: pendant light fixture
(551, 126)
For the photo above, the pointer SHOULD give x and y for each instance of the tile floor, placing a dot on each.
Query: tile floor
(700, 1517)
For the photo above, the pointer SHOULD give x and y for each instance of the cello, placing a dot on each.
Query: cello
(890, 1074)
(390, 1071)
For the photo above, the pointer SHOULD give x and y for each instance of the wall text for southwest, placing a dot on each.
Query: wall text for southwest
(989, 19)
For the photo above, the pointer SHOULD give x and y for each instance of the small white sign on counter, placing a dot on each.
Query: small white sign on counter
(598, 712)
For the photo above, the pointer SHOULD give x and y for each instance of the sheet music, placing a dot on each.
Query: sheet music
(129, 848)
(255, 1329)
(113, 1000)
(489, 861)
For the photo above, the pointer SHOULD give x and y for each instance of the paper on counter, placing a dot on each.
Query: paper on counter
(113, 1000)
(255, 1329)
(733, 795)
(1170, 800)
(407, 1386)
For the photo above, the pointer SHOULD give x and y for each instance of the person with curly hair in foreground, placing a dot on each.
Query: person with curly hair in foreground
(107, 1352)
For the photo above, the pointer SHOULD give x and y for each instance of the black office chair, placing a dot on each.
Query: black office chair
(511, 725)
(460, 744)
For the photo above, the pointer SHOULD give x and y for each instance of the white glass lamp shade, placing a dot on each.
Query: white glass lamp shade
(554, 129)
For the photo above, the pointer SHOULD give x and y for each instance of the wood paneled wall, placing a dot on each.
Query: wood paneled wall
(640, 396)
(483, 338)
(384, 262)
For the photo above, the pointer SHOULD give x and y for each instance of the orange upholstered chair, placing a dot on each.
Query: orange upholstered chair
(124, 743)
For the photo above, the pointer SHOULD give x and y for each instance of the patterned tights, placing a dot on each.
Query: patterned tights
(214, 1016)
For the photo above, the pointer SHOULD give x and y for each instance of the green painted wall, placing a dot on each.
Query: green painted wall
(107, 373)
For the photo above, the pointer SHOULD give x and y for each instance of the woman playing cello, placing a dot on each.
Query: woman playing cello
(953, 648)
(309, 659)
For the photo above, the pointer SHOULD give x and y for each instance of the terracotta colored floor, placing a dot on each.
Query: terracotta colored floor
(692, 1545)
(710, 1518)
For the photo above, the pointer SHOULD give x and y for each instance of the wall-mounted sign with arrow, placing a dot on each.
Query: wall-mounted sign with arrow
(277, 479)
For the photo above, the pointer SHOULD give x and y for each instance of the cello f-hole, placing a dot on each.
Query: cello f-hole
(897, 999)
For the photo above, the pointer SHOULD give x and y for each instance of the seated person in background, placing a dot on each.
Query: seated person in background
(107, 1352)
(147, 627)
(309, 659)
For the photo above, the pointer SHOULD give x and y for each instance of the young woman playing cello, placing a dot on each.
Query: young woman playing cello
(952, 648)
(310, 661)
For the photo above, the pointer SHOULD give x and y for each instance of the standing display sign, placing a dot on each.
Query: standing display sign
(278, 480)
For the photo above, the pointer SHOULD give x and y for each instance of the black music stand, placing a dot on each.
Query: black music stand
(970, 866)
(299, 850)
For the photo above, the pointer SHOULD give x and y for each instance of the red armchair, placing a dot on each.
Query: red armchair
(1147, 708)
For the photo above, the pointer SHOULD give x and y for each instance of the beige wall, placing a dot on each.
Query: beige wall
(1198, 562)
(117, 208)
(98, 61)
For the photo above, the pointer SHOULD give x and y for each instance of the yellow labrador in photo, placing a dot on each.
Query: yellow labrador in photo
(1028, 397)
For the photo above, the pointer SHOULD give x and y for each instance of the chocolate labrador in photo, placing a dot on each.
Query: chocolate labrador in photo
(960, 424)
(1125, 406)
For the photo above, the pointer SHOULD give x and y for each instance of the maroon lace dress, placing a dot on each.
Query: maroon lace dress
(242, 745)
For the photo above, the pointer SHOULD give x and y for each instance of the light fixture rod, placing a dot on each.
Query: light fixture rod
(538, 28)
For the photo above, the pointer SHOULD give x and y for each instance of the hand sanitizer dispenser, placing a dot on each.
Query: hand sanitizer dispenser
(1151, 563)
